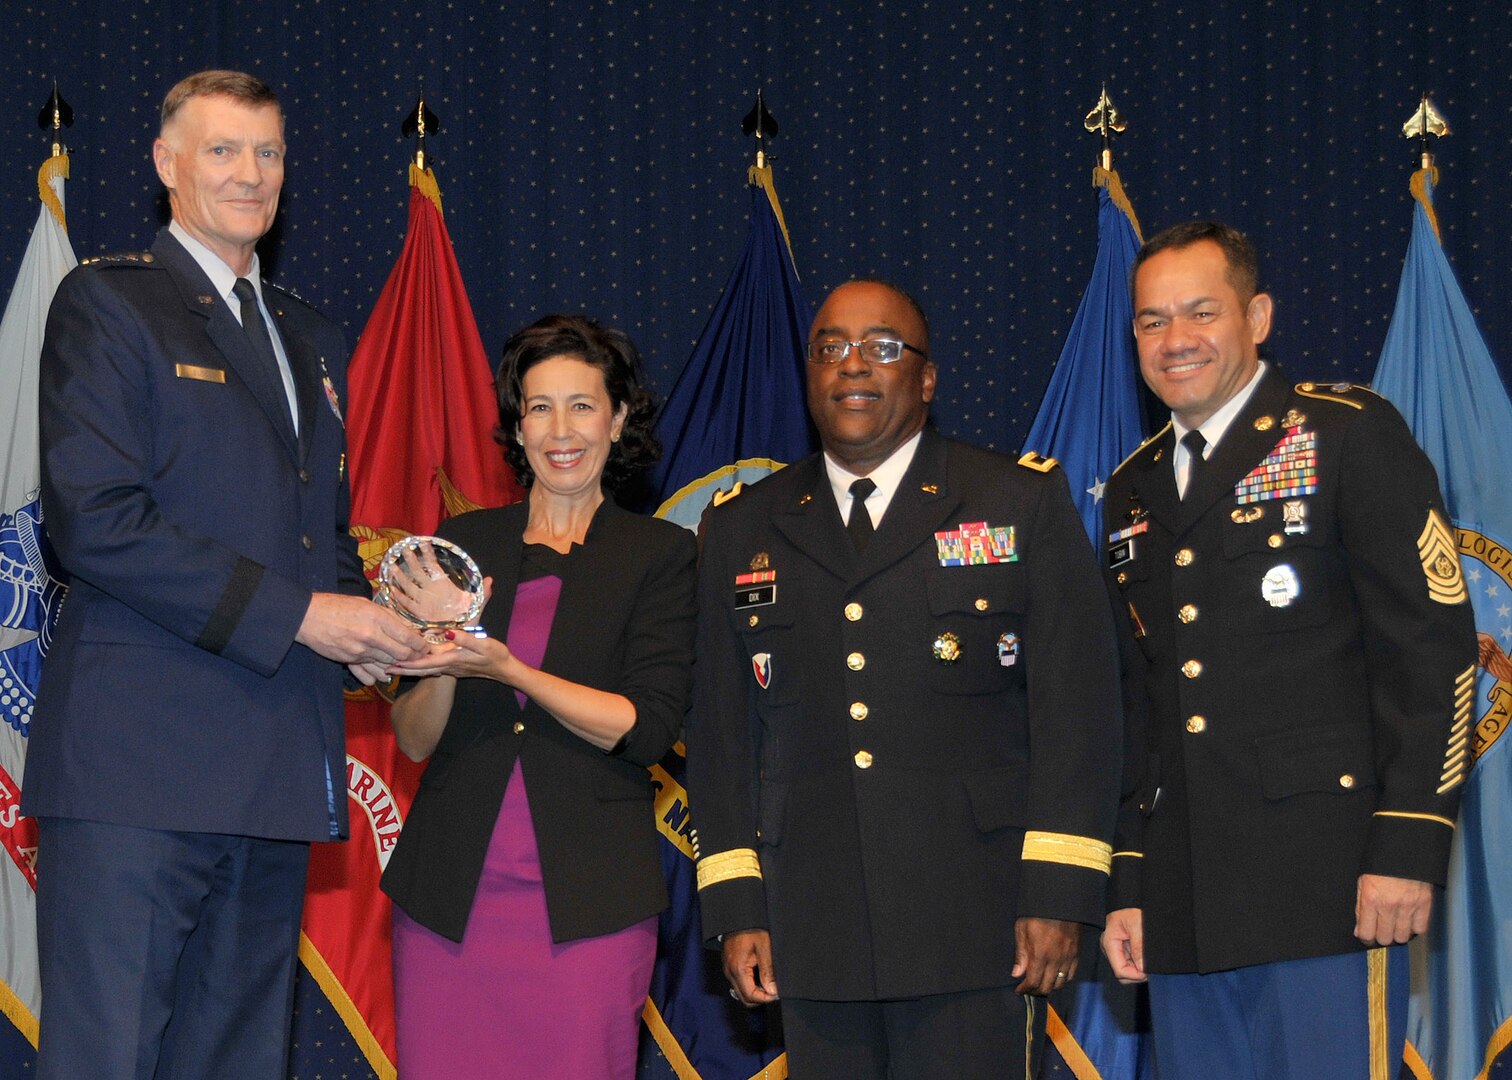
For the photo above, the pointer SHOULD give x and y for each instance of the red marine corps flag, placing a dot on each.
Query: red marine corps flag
(420, 415)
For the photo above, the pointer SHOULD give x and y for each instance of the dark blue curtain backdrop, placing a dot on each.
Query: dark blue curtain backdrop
(591, 156)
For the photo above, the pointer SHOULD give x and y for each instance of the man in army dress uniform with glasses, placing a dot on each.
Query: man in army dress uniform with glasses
(903, 751)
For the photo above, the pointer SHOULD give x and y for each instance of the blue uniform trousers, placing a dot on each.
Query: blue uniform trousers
(165, 955)
(1324, 1018)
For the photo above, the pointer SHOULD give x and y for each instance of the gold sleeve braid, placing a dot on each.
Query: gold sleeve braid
(1068, 850)
(728, 865)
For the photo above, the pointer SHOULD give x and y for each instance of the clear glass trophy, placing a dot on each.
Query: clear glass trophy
(433, 584)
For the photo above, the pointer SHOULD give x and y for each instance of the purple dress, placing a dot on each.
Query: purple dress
(508, 1002)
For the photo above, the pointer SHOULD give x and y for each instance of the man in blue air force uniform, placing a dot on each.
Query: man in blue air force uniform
(188, 737)
(1300, 664)
(903, 751)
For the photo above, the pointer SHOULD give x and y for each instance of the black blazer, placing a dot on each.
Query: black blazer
(624, 624)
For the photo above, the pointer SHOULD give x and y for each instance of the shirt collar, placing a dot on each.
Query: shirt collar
(1214, 427)
(215, 268)
(887, 476)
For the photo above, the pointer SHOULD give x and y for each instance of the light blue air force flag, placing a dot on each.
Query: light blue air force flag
(1436, 369)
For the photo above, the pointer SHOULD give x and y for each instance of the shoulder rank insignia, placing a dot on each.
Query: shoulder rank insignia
(120, 258)
(722, 496)
(1037, 462)
(288, 292)
(1441, 565)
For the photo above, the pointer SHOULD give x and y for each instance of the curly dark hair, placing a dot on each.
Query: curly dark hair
(614, 355)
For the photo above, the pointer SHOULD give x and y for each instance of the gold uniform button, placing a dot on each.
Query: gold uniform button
(1123, 578)
(1275, 540)
(853, 611)
(1192, 668)
(519, 728)
(754, 620)
(1184, 557)
(863, 759)
(855, 661)
(981, 603)
(1347, 781)
(1196, 724)
(1188, 613)
(309, 544)
(859, 711)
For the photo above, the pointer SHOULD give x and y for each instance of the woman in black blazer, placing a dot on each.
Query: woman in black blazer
(527, 877)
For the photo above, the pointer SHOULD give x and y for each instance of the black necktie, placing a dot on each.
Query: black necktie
(860, 524)
(1195, 444)
(257, 333)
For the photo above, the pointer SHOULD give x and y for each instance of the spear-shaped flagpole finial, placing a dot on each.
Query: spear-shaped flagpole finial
(420, 123)
(1104, 120)
(56, 115)
(1425, 121)
(761, 123)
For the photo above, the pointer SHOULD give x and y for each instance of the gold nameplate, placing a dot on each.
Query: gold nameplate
(203, 374)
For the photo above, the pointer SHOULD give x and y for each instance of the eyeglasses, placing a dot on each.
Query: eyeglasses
(873, 350)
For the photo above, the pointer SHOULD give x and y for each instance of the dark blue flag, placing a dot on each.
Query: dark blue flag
(1436, 369)
(1090, 420)
(736, 414)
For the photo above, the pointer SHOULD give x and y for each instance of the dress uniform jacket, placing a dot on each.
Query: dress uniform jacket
(1301, 666)
(623, 624)
(891, 759)
(194, 526)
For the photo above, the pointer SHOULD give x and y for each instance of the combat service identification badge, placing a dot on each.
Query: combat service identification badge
(761, 667)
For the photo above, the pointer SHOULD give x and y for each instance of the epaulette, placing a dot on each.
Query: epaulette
(1335, 392)
(120, 258)
(1038, 462)
(721, 496)
(288, 292)
(1139, 448)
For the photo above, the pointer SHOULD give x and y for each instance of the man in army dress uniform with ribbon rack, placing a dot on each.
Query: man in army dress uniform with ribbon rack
(1300, 666)
(903, 752)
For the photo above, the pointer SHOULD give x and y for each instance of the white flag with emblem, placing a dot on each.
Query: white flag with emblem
(28, 595)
